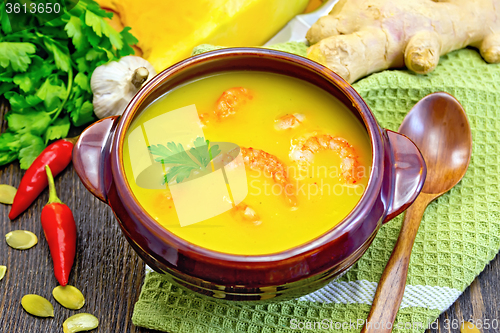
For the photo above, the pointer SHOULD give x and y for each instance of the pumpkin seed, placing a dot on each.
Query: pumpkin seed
(21, 239)
(37, 306)
(80, 322)
(469, 328)
(7, 194)
(69, 297)
(3, 269)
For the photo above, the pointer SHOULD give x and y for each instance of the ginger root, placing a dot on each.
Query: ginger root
(360, 37)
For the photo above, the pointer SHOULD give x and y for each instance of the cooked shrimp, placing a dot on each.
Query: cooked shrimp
(289, 121)
(230, 100)
(260, 160)
(247, 213)
(227, 104)
(306, 148)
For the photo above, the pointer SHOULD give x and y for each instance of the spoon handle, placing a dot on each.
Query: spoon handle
(392, 284)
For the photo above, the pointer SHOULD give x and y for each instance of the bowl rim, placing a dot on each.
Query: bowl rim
(349, 222)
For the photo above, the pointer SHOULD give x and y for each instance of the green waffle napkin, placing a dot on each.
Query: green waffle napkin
(458, 236)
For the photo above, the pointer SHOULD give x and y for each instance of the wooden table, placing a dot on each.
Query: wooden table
(110, 274)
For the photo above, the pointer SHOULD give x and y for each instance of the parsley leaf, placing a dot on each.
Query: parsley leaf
(202, 153)
(24, 82)
(59, 52)
(74, 30)
(29, 122)
(52, 92)
(82, 81)
(31, 147)
(4, 87)
(59, 129)
(83, 115)
(17, 55)
(17, 102)
(4, 22)
(31, 79)
(129, 40)
(179, 173)
(180, 163)
(173, 153)
(92, 20)
(9, 147)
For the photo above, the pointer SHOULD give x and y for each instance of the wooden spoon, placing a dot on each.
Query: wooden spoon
(438, 125)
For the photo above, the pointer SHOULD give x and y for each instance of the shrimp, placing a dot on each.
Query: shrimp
(230, 100)
(306, 148)
(227, 104)
(289, 121)
(247, 213)
(260, 160)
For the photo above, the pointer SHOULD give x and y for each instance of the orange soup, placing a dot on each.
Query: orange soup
(247, 163)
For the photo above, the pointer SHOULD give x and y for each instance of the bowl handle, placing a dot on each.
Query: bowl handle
(91, 156)
(408, 173)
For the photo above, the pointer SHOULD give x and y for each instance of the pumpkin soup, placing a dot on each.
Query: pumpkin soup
(247, 163)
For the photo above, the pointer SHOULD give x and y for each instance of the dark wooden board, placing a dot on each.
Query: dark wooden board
(110, 274)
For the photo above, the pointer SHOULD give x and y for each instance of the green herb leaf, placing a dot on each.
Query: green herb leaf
(179, 173)
(60, 53)
(74, 30)
(33, 100)
(4, 20)
(214, 151)
(24, 82)
(9, 147)
(29, 122)
(91, 36)
(83, 115)
(32, 79)
(7, 157)
(31, 147)
(128, 37)
(172, 153)
(5, 87)
(114, 36)
(180, 163)
(96, 9)
(129, 40)
(93, 55)
(7, 76)
(17, 102)
(52, 92)
(93, 21)
(59, 129)
(202, 153)
(82, 81)
(16, 54)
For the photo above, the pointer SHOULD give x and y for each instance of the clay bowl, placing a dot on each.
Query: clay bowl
(396, 178)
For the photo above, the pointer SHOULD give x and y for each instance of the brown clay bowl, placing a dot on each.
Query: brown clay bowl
(397, 175)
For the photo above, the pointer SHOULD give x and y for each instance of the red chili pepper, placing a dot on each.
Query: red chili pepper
(60, 231)
(57, 156)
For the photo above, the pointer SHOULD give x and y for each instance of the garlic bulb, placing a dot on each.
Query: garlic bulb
(115, 83)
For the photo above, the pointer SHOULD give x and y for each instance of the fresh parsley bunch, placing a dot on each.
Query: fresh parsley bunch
(45, 75)
(180, 164)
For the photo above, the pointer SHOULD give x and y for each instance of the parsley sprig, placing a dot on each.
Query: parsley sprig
(180, 163)
(45, 75)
